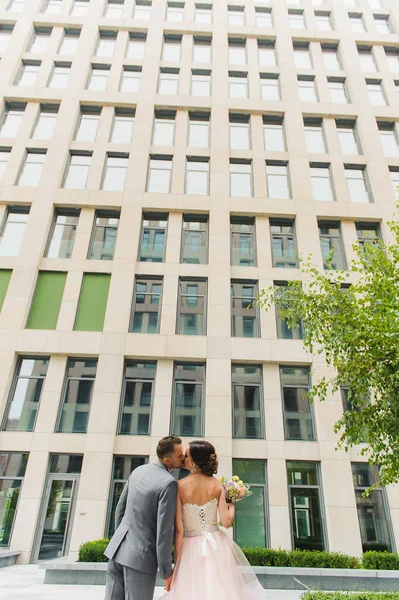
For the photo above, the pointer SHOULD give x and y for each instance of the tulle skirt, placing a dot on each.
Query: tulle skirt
(213, 567)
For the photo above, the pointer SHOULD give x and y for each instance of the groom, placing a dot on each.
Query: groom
(144, 522)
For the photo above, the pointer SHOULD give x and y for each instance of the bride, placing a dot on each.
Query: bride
(209, 565)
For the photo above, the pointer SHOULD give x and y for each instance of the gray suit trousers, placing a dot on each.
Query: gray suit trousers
(124, 583)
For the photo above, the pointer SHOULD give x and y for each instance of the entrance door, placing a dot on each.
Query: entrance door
(56, 517)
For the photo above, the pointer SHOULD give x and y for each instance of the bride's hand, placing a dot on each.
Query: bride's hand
(168, 582)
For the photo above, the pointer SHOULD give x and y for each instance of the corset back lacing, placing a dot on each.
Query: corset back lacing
(205, 528)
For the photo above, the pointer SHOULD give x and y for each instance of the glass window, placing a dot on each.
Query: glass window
(93, 300)
(307, 524)
(188, 399)
(250, 523)
(52, 7)
(164, 128)
(137, 395)
(269, 86)
(357, 184)
(4, 156)
(383, 24)
(46, 300)
(45, 123)
(357, 23)
(12, 472)
(146, 305)
(273, 133)
(12, 230)
(368, 233)
(376, 93)
(296, 19)
(314, 136)
(321, 182)
(62, 234)
(243, 241)
(284, 332)
(331, 57)
(159, 174)
(136, 46)
(263, 17)
(105, 231)
(394, 174)
(199, 129)
(277, 180)
(60, 76)
(302, 58)
(348, 138)
(142, 10)
(12, 119)
(75, 404)
(106, 44)
(366, 58)
(69, 44)
(203, 13)
(200, 83)
(168, 83)
(244, 315)
(122, 126)
(238, 84)
(26, 391)
(40, 40)
(98, 78)
(240, 136)
(266, 54)
(197, 175)
(80, 8)
(5, 36)
(175, 12)
(16, 6)
(192, 304)
(298, 417)
(89, 119)
(32, 168)
(114, 175)
(153, 237)
(392, 55)
(202, 50)
(236, 15)
(28, 73)
(307, 89)
(241, 178)
(237, 51)
(77, 171)
(113, 9)
(338, 90)
(5, 276)
(283, 240)
(247, 402)
(130, 79)
(372, 510)
(331, 245)
(122, 468)
(323, 21)
(194, 242)
(389, 139)
(171, 50)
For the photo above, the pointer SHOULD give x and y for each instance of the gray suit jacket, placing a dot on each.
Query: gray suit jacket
(144, 521)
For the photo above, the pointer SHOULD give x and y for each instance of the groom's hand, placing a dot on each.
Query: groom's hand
(168, 582)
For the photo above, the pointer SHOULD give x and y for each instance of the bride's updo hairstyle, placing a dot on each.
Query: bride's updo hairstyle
(203, 454)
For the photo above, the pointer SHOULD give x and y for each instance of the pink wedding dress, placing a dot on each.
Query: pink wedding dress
(211, 566)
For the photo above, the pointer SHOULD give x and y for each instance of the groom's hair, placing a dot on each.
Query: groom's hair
(166, 446)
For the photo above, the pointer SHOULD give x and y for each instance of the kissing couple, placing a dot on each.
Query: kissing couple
(155, 510)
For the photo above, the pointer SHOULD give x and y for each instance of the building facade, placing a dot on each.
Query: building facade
(161, 162)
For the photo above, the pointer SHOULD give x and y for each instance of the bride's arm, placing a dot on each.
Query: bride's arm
(179, 529)
(226, 511)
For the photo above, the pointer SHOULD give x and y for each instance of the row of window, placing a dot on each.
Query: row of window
(251, 524)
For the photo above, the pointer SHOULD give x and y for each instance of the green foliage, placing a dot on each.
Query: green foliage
(264, 557)
(356, 328)
(93, 551)
(350, 596)
(381, 560)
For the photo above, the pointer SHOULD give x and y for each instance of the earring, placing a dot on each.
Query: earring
(194, 468)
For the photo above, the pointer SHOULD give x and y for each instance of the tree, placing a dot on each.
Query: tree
(353, 318)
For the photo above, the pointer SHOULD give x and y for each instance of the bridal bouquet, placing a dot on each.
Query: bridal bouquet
(235, 489)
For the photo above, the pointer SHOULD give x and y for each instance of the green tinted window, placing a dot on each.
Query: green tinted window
(250, 471)
(46, 301)
(93, 302)
(5, 276)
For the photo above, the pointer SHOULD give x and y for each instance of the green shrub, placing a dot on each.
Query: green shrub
(350, 596)
(381, 560)
(93, 551)
(264, 557)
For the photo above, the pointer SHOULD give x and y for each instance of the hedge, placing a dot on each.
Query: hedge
(265, 557)
(350, 596)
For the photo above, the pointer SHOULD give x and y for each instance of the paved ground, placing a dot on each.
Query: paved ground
(26, 583)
